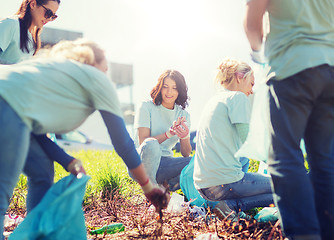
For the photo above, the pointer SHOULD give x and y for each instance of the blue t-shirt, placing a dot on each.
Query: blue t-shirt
(73, 90)
(159, 119)
(301, 36)
(10, 51)
(218, 139)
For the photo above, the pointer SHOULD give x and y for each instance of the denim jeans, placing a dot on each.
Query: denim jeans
(161, 169)
(39, 170)
(302, 106)
(253, 190)
(14, 146)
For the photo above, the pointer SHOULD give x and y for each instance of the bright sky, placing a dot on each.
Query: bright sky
(191, 36)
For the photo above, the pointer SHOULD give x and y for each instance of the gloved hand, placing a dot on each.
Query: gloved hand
(156, 195)
(182, 130)
(75, 167)
(267, 214)
(258, 57)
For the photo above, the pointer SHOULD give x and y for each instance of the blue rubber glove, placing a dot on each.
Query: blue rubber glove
(267, 214)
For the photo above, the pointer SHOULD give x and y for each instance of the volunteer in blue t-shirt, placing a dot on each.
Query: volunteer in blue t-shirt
(223, 127)
(20, 40)
(20, 34)
(299, 47)
(160, 124)
(58, 94)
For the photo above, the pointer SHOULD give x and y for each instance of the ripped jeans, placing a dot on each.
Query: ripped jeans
(253, 190)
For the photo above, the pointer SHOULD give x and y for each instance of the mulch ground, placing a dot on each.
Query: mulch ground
(142, 222)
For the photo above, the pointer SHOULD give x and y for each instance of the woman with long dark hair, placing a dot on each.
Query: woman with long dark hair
(161, 123)
(20, 34)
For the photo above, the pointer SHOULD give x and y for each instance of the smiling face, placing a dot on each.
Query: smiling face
(245, 85)
(169, 93)
(38, 13)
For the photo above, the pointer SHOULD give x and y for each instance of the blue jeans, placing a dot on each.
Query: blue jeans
(20, 152)
(14, 147)
(302, 106)
(161, 169)
(253, 190)
(39, 170)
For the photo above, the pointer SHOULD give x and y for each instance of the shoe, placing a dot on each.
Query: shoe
(224, 212)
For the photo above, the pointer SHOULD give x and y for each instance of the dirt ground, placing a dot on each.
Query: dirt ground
(141, 222)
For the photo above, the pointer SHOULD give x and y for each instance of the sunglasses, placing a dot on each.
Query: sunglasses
(49, 14)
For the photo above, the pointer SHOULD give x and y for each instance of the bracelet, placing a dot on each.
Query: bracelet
(188, 136)
(148, 187)
(146, 182)
(168, 134)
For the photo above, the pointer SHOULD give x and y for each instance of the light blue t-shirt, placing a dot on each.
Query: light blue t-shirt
(218, 139)
(159, 119)
(56, 95)
(301, 36)
(10, 51)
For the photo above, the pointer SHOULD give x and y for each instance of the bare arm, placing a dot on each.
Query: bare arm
(185, 147)
(144, 133)
(253, 22)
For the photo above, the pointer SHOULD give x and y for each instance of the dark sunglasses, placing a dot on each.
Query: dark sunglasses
(49, 14)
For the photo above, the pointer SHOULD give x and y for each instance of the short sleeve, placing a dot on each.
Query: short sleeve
(102, 91)
(143, 116)
(7, 29)
(239, 108)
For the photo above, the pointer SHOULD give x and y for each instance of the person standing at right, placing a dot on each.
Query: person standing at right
(300, 51)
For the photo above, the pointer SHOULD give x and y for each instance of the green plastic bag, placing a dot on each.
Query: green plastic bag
(59, 215)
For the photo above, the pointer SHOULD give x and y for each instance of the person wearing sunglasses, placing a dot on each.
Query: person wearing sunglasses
(20, 34)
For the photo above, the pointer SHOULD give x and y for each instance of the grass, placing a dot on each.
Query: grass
(108, 174)
(107, 171)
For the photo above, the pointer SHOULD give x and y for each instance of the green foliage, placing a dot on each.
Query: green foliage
(18, 200)
(107, 171)
(253, 165)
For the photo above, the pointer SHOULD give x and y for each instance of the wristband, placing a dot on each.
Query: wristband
(148, 187)
(146, 182)
(188, 136)
(168, 134)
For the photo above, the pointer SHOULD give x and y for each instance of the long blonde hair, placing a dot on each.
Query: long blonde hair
(230, 69)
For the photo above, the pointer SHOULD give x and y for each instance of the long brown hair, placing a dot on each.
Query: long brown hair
(182, 99)
(25, 20)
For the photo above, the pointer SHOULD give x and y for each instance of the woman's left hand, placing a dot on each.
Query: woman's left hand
(182, 130)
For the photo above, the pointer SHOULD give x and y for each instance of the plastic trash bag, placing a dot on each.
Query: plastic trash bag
(59, 215)
(188, 187)
(267, 214)
(176, 203)
(258, 140)
(207, 236)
